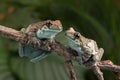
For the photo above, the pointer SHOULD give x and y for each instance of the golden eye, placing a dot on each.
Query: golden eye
(49, 24)
(76, 35)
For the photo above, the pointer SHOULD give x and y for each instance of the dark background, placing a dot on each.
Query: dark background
(95, 19)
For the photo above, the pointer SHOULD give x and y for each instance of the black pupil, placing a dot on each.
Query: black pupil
(48, 24)
(76, 35)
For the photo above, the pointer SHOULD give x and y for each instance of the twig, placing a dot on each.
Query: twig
(98, 72)
(110, 66)
(62, 50)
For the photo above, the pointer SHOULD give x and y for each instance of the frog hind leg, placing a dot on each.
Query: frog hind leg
(32, 53)
(21, 49)
(41, 55)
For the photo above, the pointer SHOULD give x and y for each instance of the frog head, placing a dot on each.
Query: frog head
(49, 29)
(74, 39)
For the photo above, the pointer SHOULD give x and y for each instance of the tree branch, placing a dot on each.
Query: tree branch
(110, 66)
(62, 50)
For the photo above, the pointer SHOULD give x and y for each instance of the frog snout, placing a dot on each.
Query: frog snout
(58, 24)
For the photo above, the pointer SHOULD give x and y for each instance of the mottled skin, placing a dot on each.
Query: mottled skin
(43, 30)
(87, 48)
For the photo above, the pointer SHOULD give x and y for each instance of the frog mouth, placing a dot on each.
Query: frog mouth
(69, 36)
(58, 28)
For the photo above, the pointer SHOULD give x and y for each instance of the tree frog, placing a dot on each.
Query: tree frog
(87, 49)
(43, 30)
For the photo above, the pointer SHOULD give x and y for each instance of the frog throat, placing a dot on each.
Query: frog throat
(47, 33)
(69, 36)
(74, 44)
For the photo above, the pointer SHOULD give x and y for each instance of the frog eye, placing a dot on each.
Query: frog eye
(49, 24)
(76, 35)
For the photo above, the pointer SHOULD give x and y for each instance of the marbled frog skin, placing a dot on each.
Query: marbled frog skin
(43, 30)
(87, 49)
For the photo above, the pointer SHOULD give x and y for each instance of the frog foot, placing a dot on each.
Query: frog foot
(35, 40)
(98, 56)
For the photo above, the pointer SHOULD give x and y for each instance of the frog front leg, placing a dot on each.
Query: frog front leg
(99, 55)
(31, 32)
(25, 50)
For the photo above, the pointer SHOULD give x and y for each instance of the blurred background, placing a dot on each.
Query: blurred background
(95, 19)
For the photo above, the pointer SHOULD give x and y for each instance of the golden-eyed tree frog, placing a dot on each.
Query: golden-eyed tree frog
(87, 49)
(43, 30)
